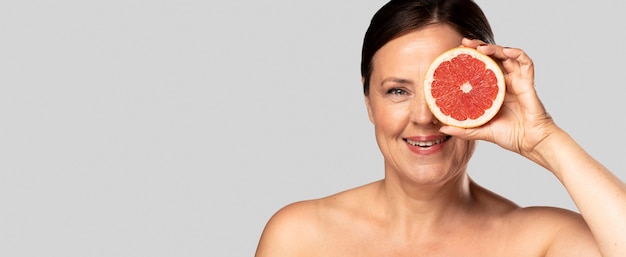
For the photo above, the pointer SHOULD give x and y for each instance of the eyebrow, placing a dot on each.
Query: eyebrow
(396, 80)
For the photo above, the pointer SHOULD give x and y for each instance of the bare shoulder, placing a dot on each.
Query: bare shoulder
(295, 222)
(295, 229)
(563, 232)
(539, 230)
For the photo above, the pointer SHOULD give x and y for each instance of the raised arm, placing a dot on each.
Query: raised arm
(524, 126)
(599, 195)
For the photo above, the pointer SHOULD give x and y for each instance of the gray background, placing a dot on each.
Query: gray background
(177, 128)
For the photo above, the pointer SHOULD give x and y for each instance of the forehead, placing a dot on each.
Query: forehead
(413, 52)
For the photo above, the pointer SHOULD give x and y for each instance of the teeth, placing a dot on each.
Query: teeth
(427, 143)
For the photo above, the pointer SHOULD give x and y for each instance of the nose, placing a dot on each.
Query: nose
(420, 113)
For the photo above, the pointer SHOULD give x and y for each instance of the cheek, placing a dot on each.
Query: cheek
(464, 150)
(387, 119)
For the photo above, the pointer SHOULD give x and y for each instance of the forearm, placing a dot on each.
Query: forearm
(599, 195)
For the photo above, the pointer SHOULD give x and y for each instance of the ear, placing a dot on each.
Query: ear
(368, 105)
(369, 109)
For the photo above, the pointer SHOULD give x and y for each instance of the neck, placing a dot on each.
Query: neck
(425, 207)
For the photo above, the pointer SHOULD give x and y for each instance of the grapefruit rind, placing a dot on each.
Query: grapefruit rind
(489, 64)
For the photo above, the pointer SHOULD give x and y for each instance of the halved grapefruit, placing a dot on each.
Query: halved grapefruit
(464, 88)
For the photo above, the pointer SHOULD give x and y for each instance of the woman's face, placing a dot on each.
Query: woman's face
(406, 131)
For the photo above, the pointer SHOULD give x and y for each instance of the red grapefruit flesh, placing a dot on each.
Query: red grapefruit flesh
(464, 88)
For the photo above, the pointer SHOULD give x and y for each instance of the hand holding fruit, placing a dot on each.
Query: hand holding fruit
(522, 122)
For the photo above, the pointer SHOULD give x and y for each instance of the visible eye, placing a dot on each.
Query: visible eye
(397, 91)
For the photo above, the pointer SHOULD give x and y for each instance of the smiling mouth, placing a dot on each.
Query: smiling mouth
(427, 143)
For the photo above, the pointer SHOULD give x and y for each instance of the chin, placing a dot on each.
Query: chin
(430, 176)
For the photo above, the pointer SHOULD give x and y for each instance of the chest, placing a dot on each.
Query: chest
(479, 243)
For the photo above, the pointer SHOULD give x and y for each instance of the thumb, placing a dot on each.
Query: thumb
(462, 133)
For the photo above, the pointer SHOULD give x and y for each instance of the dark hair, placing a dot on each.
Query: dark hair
(399, 17)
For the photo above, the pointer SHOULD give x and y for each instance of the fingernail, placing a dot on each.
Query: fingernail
(484, 44)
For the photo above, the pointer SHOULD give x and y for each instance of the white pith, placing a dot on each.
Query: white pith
(466, 87)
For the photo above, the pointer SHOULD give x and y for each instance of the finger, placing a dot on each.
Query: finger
(515, 62)
(519, 70)
(473, 43)
(523, 61)
(464, 133)
(494, 51)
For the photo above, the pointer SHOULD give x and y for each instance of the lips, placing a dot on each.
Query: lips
(426, 143)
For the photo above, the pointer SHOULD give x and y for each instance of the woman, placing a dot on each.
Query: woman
(426, 205)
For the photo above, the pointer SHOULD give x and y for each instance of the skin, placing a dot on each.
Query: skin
(427, 205)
